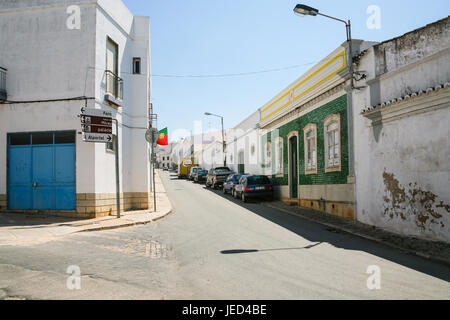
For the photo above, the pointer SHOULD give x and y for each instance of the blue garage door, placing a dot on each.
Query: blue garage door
(41, 171)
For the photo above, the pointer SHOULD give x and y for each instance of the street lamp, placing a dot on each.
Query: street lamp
(223, 136)
(304, 10)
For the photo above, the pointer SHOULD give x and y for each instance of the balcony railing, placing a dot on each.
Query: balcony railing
(114, 85)
(3, 95)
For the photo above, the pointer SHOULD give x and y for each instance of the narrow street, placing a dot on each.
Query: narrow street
(215, 247)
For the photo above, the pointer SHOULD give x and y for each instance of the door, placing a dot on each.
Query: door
(293, 168)
(20, 190)
(41, 171)
(112, 66)
(111, 56)
(241, 165)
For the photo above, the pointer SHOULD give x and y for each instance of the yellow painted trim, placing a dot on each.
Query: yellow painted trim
(284, 95)
(342, 54)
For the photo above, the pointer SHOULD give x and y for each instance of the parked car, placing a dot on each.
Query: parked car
(192, 172)
(165, 168)
(200, 176)
(250, 187)
(217, 176)
(231, 182)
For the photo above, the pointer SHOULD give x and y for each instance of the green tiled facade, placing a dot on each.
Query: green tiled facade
(317, 116)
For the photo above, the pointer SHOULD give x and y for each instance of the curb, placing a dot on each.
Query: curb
(366, 237)
(131, 224)
(125, 225)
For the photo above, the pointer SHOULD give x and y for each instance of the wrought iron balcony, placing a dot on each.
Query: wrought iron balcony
(3, 95)
(114, 86)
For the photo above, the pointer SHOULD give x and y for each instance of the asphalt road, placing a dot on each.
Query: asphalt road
(215, 247)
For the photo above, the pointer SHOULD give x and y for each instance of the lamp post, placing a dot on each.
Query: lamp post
(223, 136)
(304, 10)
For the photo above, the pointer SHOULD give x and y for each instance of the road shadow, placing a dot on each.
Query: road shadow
(31, 220)
(238, 251)
(318, 233)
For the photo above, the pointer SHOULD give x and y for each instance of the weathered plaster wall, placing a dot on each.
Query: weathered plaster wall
(401, 155)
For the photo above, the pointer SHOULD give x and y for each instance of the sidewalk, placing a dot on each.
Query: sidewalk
(432, 250)
(27, 229)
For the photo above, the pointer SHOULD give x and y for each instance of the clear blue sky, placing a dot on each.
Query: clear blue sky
(204, 37)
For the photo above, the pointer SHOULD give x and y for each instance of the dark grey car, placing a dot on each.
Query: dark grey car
(217, 176)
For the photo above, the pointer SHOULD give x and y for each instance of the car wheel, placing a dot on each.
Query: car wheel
(243, 198)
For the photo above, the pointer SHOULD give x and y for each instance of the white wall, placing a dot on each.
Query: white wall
(46, 60)
(132, 37)
(245, 137)
(402, 163)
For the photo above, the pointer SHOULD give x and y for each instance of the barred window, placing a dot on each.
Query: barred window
(279, 156)
(268, 155)
(310, 133)
(332, 142)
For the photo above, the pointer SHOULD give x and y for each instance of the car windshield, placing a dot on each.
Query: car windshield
(237, 177)
(203, 172)
(221, 170)
(258, 180)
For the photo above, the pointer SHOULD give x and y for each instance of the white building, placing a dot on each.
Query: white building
(244, 146)
(163, 158)
(59, 55)
(402, 132)
(212, 155)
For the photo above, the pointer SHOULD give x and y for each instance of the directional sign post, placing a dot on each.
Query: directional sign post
(96, 126)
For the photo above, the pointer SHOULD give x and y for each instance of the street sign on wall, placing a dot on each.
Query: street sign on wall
(151, 135)
(96, 129)
(101, 121)
(97, 137)
(96, 112)
(96, 125)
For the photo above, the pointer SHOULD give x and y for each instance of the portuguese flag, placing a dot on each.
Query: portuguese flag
(163, 139)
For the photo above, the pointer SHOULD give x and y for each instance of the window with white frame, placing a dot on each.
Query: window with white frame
(332, 128)
(279, 156)
(310, 133)
(136, 65)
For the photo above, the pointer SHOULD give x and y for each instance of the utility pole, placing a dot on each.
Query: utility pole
(152, 140)
(116, 156)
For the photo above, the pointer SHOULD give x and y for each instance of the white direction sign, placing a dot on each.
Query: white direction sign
(96, 125)
(97, 137)
(96, 113)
